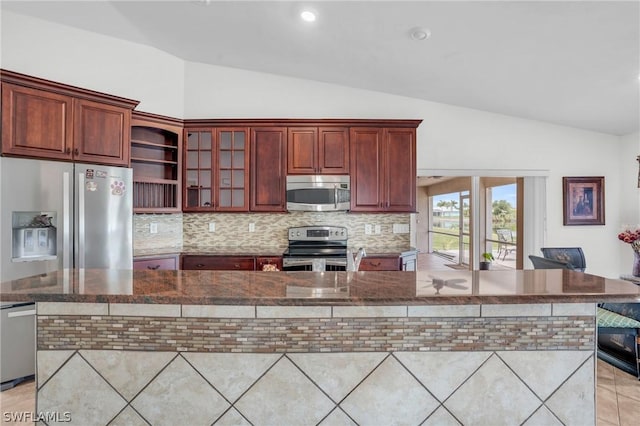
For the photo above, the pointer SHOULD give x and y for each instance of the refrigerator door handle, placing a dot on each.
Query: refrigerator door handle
(80, 229)
(66, 221)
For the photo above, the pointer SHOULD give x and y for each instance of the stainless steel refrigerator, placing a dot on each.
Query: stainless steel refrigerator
(58, 215)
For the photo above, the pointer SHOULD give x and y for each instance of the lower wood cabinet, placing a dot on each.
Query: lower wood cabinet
(218, 263)
(390, 262)
(169, 262)
(380, 263)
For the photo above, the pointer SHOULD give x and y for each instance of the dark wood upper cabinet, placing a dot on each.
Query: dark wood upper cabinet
(318, 150)
(366, 169)
(379, 156)
(399, 164)
(101, 133)
(333, 150)
(45, 119)
(383, 169)
(36, 123)
(302, 150)
(268, 169)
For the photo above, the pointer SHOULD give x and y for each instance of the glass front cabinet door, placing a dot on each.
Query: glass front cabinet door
(216, 170)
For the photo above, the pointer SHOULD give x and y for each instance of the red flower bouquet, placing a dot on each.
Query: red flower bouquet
(631, 236)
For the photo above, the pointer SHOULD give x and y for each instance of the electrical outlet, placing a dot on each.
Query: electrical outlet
(252, 227)
(377, 229)
(400, 228)
(367, 229)
(153, 228)
(212, 227)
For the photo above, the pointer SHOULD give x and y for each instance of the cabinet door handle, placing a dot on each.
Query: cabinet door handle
(376, 263)
(76, 151)
(237, 265)
(153, 268)
(199, 265)
(68, 150)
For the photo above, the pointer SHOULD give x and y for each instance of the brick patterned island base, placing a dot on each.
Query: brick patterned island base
(291, 365)
(333, 348)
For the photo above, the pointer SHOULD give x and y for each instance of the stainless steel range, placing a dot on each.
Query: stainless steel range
(324, 247)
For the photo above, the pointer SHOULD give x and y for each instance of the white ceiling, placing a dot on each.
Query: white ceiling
(574, 63)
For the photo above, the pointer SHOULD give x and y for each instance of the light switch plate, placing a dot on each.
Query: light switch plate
(212, 227)
(252, 227)
(367, 229)
(377, 229)
(153, 228)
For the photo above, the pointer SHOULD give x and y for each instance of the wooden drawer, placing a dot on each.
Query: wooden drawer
(164, 262)
(373, 263)
(219, 263)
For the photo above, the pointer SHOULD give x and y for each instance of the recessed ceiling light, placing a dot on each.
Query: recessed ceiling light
(308, 15)
(419, 33)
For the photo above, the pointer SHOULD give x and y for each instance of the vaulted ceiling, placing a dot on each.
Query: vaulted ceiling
(574, 63)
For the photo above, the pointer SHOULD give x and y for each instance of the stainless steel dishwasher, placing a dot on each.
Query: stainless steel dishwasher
(17, 343)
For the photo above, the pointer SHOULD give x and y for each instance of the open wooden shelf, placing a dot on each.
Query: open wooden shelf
(156, 144)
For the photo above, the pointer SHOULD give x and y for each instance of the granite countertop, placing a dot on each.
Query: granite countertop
(314, 288)
(250, 251)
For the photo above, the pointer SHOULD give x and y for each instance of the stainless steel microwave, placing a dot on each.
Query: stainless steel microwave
(318, 193)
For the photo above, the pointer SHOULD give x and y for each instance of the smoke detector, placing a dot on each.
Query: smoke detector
(419, 33)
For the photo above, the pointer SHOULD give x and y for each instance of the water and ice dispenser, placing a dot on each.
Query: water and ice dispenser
(34, 236)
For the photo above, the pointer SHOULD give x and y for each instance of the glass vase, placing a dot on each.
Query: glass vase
(636, 264)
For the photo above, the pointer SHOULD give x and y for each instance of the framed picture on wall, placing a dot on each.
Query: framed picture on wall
(583, 200)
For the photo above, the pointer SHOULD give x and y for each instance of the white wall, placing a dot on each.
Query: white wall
(93, 61)
(629, 203)
(449, 137)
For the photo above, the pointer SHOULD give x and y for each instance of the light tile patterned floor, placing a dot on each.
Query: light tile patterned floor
(618, 397)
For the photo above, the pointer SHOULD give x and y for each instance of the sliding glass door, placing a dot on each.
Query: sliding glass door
(452, 223)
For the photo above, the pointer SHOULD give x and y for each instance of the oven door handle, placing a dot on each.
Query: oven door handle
(296, 262)
(287, 262)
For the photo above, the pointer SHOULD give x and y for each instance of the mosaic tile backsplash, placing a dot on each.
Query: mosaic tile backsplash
(232, 229)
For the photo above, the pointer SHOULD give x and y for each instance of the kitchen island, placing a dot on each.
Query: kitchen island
(205, 347)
